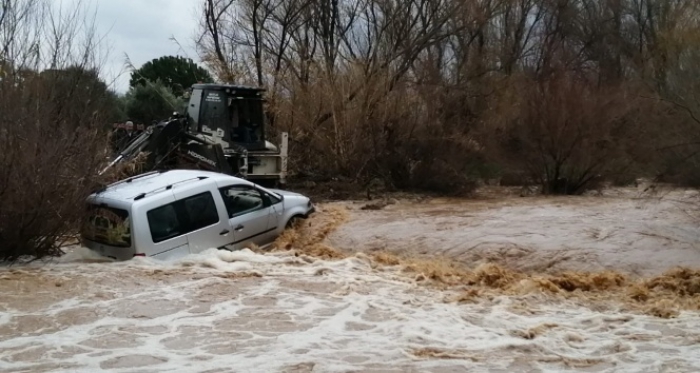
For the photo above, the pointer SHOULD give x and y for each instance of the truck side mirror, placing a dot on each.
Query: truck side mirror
(266, 199)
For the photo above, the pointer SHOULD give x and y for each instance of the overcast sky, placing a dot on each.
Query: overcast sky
(142, 30)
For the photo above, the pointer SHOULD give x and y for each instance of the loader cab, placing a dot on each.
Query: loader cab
(235, 113)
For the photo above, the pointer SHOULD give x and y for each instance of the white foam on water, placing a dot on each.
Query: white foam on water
(80, 254)
(305, 314)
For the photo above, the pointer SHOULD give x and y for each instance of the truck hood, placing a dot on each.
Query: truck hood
(286, 193)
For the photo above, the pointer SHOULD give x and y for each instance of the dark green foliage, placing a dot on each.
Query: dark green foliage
(153, 101)
(177, 73)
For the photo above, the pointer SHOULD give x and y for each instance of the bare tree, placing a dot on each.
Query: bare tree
(52, 128)
(335, 68)
(567, 131)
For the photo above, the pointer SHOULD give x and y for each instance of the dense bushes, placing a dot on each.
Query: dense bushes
(568, 132)
(53, 126)
(436, 95)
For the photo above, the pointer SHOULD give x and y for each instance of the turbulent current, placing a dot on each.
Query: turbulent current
(284, 312)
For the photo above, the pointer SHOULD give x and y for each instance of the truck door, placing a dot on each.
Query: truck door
(248, 215)
(206, 224)
(275, 223)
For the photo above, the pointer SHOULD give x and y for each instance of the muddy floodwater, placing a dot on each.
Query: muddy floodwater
(287, 311)
(624, 229)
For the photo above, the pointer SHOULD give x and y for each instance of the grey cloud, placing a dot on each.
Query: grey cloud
(142, 30)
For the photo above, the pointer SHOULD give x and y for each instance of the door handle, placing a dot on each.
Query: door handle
(224, 232)
(239, 228)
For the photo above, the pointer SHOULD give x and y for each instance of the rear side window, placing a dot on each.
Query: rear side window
(106, 225)
(165, 223)
(182, 217)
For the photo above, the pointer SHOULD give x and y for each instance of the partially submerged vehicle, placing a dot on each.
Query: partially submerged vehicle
(169, 214)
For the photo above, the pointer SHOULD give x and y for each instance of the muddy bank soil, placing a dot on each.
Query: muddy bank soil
(627, 230)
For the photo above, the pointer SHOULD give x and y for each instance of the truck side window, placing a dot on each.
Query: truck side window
(182, 217)
(241, 199)
(164, 223)
(201, 210)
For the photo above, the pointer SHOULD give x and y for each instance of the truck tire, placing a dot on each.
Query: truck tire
(293, 221)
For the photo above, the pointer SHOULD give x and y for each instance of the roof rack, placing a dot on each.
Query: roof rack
(167, 187)
(144, 175)
(129, 180)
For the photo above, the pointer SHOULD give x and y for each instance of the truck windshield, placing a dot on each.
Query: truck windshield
(106, 225)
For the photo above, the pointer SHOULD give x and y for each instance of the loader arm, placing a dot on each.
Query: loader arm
(168, 145)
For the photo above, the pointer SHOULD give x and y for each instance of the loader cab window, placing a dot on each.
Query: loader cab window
(214, 109)
(247, 120)
(193, 108)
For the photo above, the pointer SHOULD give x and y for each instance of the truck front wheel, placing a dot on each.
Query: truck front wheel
(293, 222)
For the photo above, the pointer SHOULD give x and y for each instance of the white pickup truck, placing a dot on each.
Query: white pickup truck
(173, 213)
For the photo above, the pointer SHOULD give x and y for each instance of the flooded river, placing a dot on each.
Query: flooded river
(248, 312)
(316, 309)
